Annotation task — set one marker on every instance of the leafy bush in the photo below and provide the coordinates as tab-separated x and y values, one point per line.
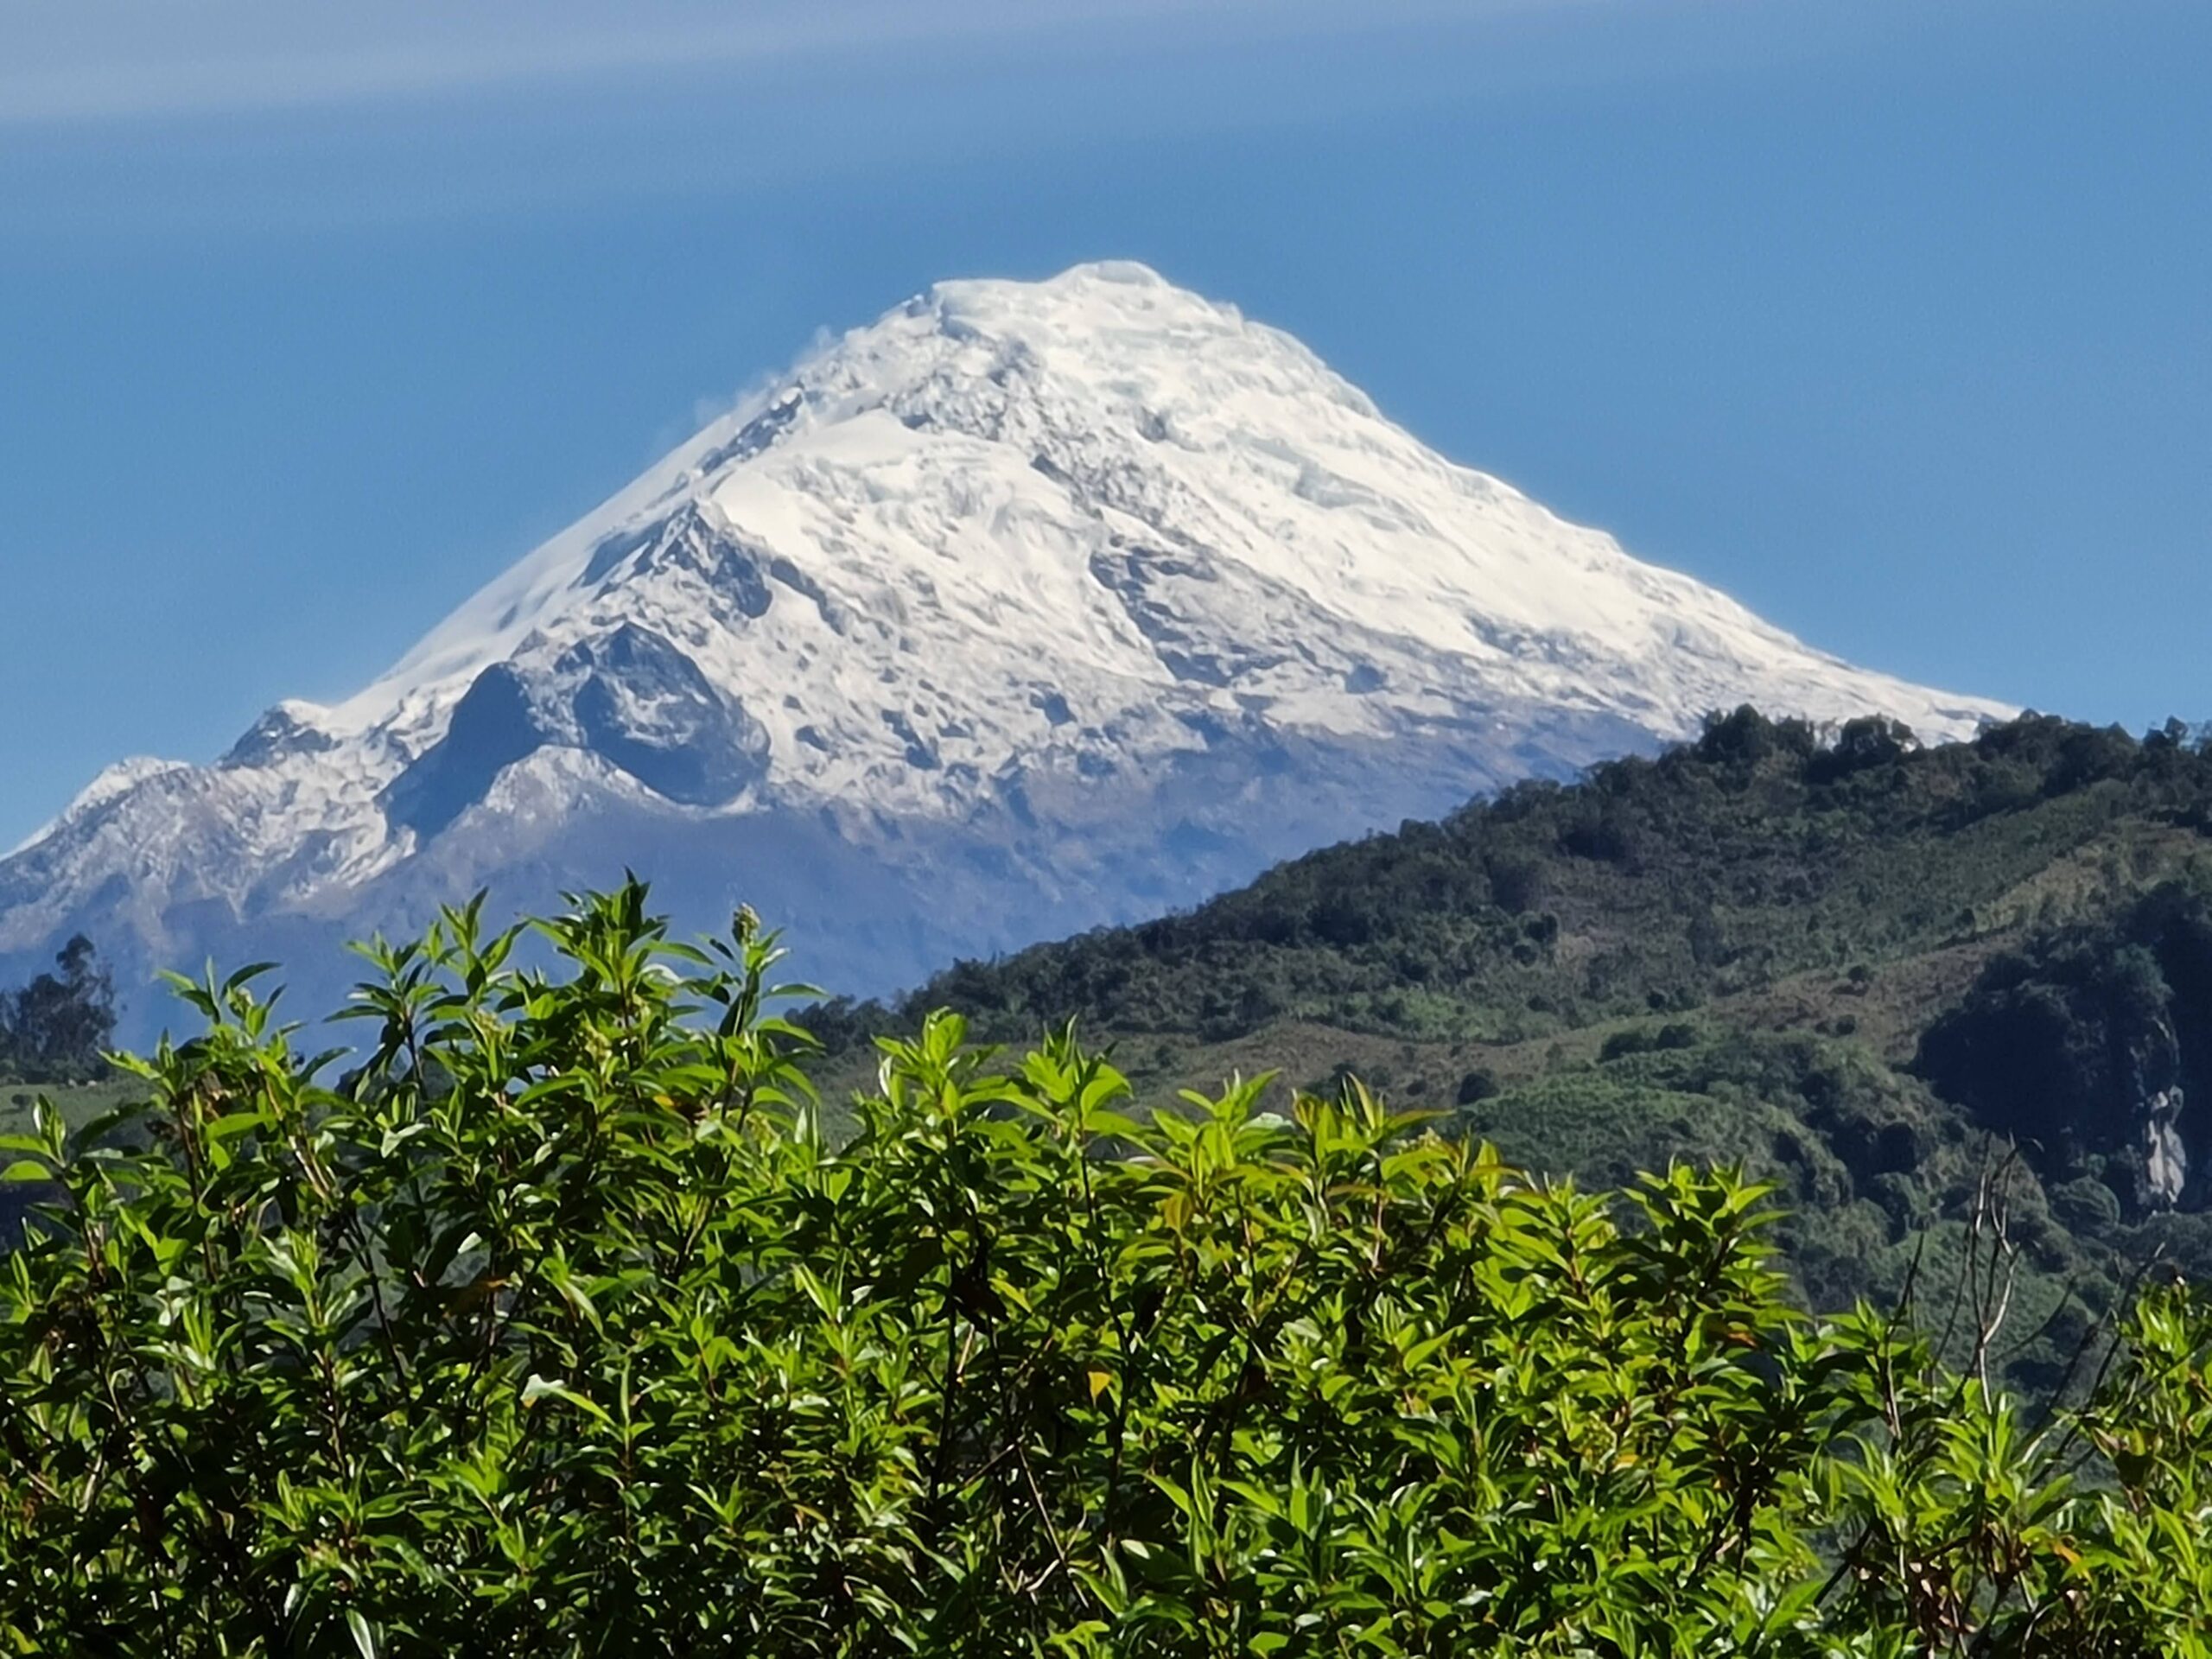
559	1325
1635	1040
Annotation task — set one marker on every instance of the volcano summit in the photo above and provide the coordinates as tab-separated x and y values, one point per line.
1026	607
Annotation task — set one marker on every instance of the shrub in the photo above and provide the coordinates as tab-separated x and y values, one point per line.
558	1324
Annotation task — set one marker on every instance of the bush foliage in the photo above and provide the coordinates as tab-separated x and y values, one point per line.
559	1325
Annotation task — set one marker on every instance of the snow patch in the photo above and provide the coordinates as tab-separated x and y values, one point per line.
110	786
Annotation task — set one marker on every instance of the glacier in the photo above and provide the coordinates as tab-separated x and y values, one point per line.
1028	608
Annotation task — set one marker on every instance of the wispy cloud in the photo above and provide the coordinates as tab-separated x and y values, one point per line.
96	61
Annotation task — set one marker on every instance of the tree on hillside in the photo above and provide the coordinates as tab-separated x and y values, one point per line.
58	1028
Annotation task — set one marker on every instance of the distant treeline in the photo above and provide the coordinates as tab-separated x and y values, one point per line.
58	1027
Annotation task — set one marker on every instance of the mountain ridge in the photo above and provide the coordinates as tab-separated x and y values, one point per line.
1026	607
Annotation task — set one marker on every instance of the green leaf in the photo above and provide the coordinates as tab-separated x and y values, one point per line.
235	1123
246	976
539	1388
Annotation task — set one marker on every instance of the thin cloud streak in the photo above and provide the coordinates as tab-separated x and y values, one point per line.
107	60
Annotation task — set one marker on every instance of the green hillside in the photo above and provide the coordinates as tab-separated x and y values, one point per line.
1894	979
1722	868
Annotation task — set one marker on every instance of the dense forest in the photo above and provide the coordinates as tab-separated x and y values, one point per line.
1755	855
554	1319
1874	972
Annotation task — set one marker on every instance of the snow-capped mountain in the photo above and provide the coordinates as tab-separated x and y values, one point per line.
1026	607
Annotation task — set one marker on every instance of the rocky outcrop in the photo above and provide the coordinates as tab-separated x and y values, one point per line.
2092	1048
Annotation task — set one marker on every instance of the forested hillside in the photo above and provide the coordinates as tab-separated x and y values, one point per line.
1720	867
1871	970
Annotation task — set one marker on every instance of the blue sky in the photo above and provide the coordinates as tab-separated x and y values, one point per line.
1895	321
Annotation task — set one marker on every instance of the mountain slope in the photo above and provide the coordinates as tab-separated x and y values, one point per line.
1889	979
1719	868
1027	606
